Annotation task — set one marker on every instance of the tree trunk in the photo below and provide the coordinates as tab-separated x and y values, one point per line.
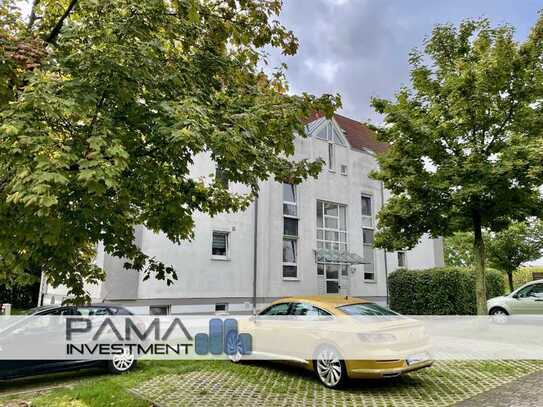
510	278
480	270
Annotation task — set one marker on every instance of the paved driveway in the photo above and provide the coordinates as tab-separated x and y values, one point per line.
269	384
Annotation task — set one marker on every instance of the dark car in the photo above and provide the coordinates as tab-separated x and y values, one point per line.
10	369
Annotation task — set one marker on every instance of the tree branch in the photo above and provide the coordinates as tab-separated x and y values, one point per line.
51	38
33	17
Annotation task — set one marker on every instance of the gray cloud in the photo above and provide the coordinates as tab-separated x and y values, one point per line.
359	48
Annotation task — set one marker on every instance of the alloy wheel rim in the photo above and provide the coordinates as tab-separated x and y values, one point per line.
123	361
234	343
499	316
329	367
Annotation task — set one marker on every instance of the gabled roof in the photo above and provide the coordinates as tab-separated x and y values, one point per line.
358	134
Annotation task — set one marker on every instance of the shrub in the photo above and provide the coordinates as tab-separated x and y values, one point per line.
439	291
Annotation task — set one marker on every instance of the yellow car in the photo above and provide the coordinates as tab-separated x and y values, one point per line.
337	337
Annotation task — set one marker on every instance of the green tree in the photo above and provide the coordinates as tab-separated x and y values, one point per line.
518	244
458	249
466	148
104	106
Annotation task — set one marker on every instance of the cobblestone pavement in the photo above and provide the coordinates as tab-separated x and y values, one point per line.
267	384
524	392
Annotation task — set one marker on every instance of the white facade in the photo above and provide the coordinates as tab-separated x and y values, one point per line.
208	282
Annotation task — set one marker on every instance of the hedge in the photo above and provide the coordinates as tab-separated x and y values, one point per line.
439	291
522	276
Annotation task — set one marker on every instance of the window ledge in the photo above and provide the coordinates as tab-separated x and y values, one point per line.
220	258
370	281
291	279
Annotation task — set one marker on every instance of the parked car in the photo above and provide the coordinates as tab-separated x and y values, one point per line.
339	324
10	369
526	300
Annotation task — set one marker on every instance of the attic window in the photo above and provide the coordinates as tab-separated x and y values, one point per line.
330	133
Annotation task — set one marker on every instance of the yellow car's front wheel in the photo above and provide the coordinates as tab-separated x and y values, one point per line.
330	367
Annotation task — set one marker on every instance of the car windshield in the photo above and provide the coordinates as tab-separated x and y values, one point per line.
367	310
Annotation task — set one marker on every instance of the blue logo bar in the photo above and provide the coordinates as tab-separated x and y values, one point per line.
223	337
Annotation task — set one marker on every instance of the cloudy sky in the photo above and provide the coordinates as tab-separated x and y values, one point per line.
359	48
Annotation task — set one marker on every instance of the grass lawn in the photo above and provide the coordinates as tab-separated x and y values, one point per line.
220	383
19	311
95	387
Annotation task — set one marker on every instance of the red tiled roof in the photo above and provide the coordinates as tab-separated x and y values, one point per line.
358	134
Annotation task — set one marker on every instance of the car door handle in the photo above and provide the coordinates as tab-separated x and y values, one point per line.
539	300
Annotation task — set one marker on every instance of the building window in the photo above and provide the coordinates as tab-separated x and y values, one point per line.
367	238
290	227
367	211
220	245
290	207
402	261
220	176
290	231
331	157
368	251
329	133
159	310
331	226
221	307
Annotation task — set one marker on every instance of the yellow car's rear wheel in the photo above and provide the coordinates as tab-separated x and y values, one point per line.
330	367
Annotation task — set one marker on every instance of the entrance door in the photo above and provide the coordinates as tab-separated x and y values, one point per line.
332	278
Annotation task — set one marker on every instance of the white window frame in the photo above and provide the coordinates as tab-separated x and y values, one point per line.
290	264
331	156
374	279
332	131
290	237
368	217
226	257
333	135
339	231
295	203
369	226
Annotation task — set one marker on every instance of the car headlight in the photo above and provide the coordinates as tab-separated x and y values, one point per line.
376	337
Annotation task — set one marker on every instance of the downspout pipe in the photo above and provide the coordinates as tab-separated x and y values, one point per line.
384	250
255	255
